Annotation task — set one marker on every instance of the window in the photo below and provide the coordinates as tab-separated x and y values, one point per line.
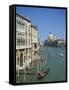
21	42
21	59
29	28
20	25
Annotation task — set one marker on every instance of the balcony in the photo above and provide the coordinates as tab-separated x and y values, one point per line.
23	47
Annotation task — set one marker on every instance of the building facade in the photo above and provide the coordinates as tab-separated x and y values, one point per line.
35	41
26	42
54	41
61	42
52	37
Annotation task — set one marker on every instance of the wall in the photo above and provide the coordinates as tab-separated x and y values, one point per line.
4	44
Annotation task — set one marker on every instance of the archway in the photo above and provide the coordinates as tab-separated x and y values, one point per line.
21	59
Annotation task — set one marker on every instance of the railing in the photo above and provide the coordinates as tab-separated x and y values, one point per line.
23	47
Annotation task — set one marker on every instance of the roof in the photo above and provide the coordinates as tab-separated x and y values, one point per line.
23	17
27	20
34	27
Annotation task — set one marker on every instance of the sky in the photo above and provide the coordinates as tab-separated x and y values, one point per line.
47	19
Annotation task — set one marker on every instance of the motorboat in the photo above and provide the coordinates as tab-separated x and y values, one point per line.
61	54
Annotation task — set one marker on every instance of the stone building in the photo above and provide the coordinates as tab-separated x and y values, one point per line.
61	42
26	41
52	37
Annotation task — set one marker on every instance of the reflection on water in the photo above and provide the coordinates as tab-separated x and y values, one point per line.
53	60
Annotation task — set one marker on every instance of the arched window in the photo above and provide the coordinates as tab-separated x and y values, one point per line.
18	61
21	59
35	46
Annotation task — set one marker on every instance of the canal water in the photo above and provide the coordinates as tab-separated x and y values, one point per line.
55	60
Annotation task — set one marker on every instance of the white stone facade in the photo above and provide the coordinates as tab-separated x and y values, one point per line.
26	41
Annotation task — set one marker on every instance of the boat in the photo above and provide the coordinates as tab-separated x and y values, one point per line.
42	70
42	74
61	54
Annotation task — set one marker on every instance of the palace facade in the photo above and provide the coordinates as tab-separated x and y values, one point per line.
27	42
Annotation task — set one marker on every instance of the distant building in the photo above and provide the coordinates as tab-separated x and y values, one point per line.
53	41
61	42
26	41
52	37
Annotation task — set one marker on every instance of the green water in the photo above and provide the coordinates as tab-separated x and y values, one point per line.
55	62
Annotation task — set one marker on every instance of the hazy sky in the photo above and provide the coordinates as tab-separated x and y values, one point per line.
47	19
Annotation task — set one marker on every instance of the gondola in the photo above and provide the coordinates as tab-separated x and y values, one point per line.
42	74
